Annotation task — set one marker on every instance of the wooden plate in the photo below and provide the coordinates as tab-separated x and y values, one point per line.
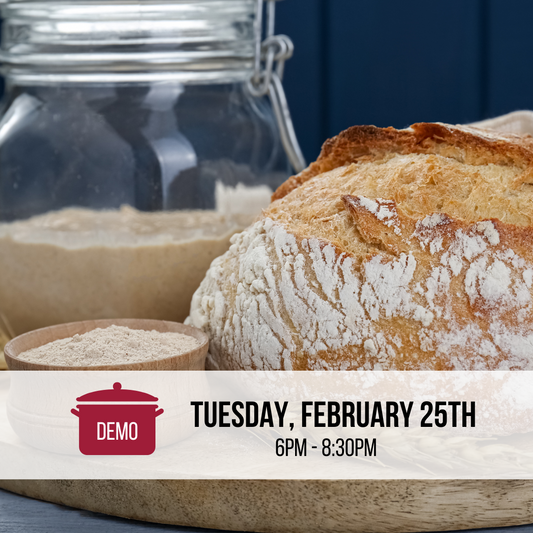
299	506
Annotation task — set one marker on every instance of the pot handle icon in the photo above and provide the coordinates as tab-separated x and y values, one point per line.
157	413
75	412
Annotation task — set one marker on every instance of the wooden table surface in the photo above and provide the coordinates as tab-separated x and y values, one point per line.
24	515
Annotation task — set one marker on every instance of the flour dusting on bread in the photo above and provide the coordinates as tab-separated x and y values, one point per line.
412	250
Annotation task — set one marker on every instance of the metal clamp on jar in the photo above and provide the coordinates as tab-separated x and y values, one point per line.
136	138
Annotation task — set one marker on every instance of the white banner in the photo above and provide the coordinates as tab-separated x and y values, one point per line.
266	425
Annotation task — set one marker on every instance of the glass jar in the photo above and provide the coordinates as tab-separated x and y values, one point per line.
136	138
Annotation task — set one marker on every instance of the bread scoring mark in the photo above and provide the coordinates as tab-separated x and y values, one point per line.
383	210
374	219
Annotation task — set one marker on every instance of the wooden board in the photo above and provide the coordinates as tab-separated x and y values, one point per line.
298	506
282	506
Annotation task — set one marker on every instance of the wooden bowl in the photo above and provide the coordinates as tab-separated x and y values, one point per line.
192	360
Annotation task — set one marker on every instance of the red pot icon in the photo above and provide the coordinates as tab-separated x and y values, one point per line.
117	422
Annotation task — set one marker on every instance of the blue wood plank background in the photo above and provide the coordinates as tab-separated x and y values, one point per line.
387	67
393	63
510	56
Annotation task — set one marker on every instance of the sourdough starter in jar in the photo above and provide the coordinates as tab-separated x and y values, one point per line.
173	108
80	264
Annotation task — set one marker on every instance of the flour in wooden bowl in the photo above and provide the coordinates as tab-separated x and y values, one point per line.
111	346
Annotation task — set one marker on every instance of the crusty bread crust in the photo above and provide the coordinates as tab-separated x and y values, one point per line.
396	250
466	144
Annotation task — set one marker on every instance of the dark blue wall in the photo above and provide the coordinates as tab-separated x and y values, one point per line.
392	63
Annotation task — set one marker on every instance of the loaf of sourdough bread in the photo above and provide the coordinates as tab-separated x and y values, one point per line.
396	250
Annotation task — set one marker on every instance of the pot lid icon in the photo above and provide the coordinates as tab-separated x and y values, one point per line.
117	394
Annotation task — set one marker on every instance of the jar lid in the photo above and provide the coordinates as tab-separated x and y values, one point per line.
117	394
189	41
